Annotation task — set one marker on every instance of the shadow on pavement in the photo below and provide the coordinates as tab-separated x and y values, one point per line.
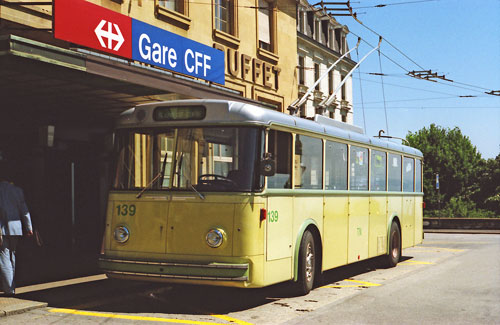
122	296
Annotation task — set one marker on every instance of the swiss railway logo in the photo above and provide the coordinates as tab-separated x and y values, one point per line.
84	23
108	34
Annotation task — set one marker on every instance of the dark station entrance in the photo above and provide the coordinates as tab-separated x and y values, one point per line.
57	109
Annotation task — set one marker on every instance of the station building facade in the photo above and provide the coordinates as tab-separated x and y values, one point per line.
58	100
321	41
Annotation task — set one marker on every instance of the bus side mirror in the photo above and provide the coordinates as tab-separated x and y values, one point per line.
267	165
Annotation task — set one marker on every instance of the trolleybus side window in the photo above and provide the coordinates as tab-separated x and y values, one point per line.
336	166
418	175
280	146
308	162
359	169
394	172
378	171
408	174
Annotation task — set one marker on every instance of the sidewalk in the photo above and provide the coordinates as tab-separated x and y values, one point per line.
12	306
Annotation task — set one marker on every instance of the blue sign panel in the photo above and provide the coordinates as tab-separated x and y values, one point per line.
164	49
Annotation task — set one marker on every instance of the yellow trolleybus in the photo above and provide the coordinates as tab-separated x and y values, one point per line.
231	194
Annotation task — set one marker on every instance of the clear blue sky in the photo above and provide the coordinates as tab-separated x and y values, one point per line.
457	38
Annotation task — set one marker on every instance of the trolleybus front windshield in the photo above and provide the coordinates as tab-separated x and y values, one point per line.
206	159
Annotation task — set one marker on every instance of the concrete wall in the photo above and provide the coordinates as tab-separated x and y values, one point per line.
462	223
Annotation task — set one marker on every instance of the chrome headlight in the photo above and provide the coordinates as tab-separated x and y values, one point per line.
121	234
214	237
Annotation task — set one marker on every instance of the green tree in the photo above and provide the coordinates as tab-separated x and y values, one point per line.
488	196
450	154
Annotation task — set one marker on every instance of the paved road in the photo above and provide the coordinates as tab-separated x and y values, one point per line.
449	279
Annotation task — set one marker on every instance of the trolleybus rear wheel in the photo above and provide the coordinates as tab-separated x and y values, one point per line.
394	255
307	263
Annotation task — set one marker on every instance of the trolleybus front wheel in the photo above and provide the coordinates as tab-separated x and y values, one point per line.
307	264
394	255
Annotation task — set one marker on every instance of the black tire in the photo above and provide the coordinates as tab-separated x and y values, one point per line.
392	259
307	264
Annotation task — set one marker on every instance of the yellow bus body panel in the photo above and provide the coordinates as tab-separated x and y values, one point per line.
171	228
280	216
149	221
335	231
408	231
358	228
378	226
419	236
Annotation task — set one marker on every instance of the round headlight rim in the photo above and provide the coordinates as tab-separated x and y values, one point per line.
124	230
220	233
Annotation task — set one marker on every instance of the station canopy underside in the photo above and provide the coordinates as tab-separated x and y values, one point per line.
42	77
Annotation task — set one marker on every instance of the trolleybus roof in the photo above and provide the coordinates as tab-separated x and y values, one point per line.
223	112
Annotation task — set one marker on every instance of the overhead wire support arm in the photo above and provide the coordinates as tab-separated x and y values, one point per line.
427	75
493	92
327	101
295	105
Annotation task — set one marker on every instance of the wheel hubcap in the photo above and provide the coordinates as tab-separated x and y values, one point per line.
309	262
395	244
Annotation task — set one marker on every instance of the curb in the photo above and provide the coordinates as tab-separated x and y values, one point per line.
13	306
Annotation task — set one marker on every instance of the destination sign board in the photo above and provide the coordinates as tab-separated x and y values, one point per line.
90	25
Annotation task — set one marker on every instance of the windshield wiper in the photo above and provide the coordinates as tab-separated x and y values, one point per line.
196	191
160	175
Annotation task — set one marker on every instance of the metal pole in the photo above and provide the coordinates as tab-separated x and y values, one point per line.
298	102
329	100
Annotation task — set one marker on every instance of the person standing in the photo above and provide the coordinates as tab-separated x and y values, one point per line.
14	215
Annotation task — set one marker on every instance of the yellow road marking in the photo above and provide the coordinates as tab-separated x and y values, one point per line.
410	262
129	317
231	319
360	284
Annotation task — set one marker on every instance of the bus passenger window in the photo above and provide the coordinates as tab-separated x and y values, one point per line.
308	162
336	166
394	172
408	174
378	171
280	146
418	175
359	169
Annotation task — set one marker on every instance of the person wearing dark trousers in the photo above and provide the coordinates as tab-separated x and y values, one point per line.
14	217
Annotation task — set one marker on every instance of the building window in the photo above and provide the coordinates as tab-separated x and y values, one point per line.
330	82
344	118
266	25
331	37
222	16
175	11
337	40
300	21
301	71
310	24
174	5
343	92
317	33
316	74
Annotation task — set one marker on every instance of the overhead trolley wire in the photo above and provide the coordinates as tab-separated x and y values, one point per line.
361	93
382	5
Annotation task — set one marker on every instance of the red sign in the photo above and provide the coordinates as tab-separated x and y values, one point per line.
93	26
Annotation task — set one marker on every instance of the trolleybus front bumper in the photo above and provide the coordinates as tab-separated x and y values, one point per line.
174	270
